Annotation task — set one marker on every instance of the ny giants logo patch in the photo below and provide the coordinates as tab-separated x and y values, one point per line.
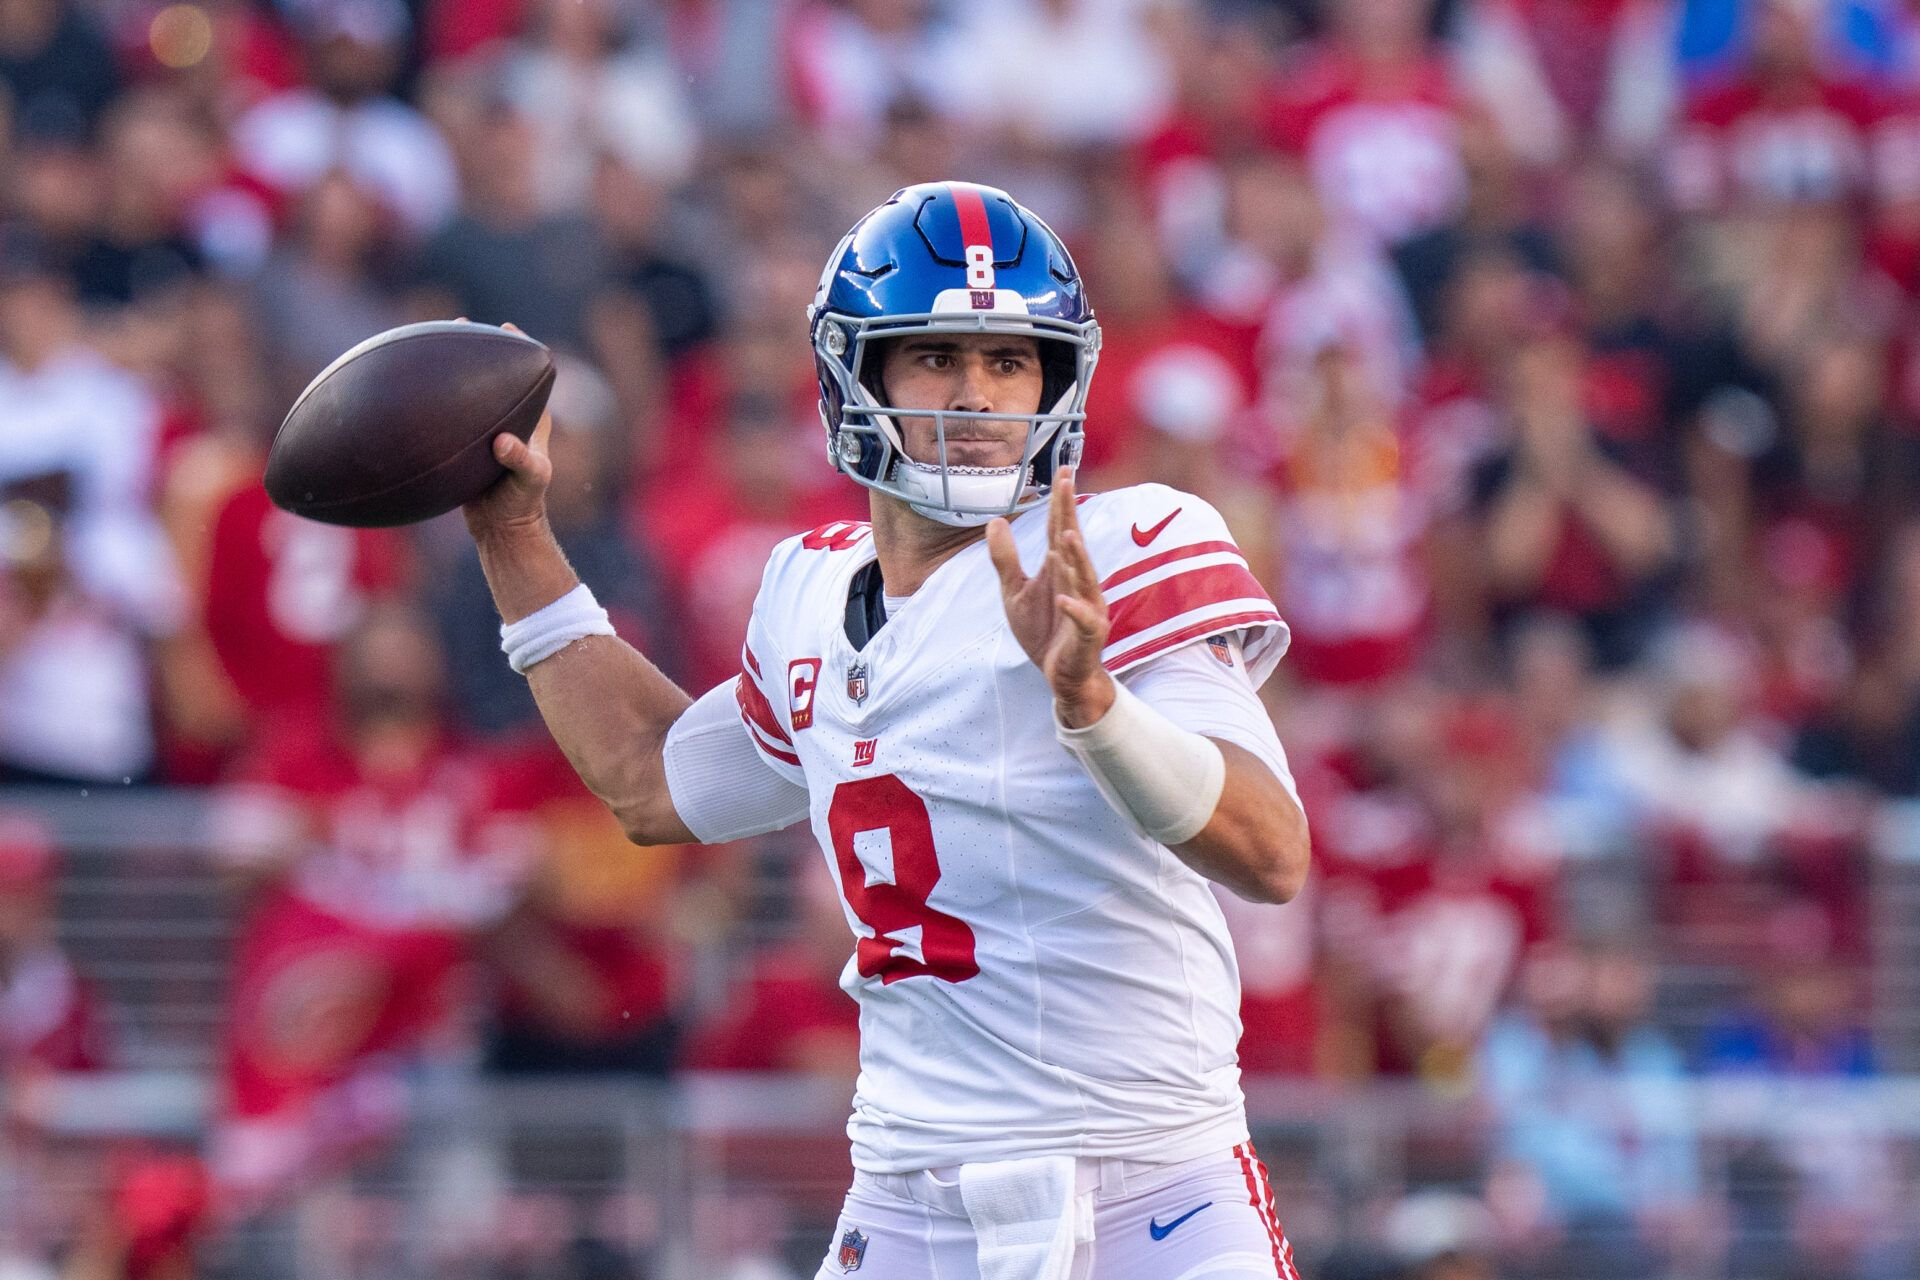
853	1249
864	751
982	299
803	678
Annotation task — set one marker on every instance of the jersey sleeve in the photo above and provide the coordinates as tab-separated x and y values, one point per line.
1172	574
715	774
754	690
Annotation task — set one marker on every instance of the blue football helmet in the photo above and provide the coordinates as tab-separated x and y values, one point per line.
950	257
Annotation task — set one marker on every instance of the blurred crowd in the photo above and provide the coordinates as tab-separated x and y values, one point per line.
1557	363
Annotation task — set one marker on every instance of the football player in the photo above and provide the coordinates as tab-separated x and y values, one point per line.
1023	724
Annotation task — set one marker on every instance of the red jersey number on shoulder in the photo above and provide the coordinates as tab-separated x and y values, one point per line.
836	535
876	821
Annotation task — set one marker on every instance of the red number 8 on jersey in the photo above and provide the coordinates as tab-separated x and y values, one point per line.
881	817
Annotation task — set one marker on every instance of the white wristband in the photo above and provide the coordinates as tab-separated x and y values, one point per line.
547	631
1167	779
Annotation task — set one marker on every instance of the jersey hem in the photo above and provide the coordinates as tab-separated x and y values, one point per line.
1190	1142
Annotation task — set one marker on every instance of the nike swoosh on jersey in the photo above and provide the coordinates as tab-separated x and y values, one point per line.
1159	1232
1141	537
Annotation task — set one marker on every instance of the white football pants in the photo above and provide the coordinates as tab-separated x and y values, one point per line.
1206	1219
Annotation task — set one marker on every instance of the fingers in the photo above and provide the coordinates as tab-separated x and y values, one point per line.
518	456
542	431
1087	620
1060	513
511	451
1005	556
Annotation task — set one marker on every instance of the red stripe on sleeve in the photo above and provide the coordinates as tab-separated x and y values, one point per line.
760	741
974	227
753	663
1204	627
1153	562
757	711
1184	592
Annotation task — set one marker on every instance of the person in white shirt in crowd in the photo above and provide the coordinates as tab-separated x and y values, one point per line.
348	118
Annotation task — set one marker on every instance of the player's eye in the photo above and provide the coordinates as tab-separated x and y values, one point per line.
1011	365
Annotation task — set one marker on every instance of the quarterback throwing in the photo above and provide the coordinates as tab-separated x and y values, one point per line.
1023	724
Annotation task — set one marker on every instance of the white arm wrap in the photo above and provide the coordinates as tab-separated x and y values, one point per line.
1167	779
547	631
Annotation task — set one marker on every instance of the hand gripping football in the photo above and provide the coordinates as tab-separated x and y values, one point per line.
400	429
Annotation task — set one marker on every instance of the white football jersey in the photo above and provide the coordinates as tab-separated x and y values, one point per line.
1035	976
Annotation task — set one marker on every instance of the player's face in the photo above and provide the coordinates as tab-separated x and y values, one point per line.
976	372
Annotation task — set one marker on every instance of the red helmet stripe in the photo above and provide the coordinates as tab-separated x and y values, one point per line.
974	227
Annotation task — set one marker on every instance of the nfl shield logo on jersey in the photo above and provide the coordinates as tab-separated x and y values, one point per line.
857	681
853	1249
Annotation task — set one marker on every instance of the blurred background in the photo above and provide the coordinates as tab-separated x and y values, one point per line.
1557	363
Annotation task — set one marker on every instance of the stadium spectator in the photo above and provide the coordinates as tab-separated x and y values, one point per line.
789	1013
1563	525
1561	709
51	1017
595	86
321	290
1803	1023
348	118
1700	775
582	991
377	848
634	211
1434	889
1583	1089
505	255
1802	1018
849	61
71	411
1562	79
1373	112
1308	283
57	67
1344	529
73	679
281	594
1779	126
1172	375
1056	74
1497	217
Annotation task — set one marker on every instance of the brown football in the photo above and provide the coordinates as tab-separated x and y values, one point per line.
400	429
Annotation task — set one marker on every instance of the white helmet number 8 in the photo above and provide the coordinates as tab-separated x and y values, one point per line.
979	266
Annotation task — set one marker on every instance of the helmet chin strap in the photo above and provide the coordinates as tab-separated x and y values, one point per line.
994	488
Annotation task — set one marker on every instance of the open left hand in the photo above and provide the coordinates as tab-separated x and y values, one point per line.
1058	615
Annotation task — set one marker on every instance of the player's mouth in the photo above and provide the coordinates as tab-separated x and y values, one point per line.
980	453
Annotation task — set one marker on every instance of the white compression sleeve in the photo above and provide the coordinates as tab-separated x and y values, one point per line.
1150	754
722	788
1167	779
1195	690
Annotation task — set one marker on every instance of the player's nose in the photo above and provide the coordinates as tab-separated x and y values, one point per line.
972	386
